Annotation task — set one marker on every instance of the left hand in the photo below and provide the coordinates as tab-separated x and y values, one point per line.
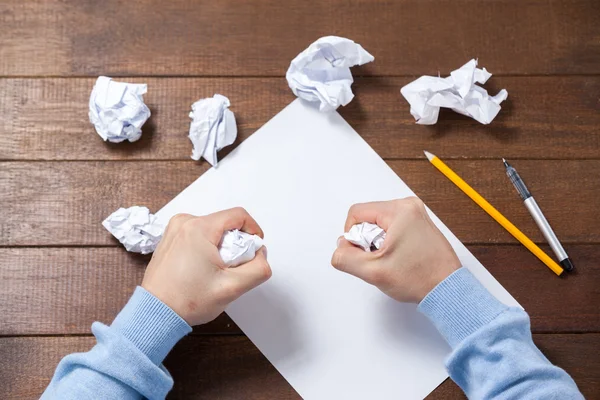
187	273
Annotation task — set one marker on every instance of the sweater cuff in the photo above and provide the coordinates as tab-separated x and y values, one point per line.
152	326
460	305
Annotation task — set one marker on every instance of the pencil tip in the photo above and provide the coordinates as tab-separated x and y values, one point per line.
428	155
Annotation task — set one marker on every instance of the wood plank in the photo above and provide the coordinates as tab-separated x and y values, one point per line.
64	203
544	117
65	289
57	37
226	366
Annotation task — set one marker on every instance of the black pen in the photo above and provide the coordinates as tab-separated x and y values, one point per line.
539	218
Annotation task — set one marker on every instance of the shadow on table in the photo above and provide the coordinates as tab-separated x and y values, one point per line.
500	129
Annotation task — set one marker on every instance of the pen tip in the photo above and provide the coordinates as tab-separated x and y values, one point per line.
506	164
428	155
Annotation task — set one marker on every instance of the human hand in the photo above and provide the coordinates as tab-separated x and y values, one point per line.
187	273
415	255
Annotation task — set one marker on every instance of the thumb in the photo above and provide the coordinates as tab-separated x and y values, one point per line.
253	273
352	260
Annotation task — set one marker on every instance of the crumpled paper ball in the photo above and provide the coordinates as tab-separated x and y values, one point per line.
238	247
459	92
321	73
213	127
136	228
117	110
366	235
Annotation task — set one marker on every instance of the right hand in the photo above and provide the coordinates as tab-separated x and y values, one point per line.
187	273
415	255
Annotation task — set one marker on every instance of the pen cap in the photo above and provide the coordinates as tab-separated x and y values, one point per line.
516	180
567	264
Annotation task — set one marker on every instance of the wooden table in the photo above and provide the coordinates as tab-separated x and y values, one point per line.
60	270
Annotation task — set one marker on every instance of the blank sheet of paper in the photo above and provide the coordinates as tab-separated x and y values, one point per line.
329	334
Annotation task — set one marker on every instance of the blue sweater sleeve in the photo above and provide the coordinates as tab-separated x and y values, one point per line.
126	361
493	355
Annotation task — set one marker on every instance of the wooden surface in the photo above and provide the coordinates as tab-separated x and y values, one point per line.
231	38
60	270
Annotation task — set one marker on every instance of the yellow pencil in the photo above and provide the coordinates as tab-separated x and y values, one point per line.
488	208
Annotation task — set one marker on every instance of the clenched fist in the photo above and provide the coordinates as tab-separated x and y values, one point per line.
414	258
187	273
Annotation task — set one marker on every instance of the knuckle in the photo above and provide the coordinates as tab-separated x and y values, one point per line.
191	226
239	211
416	201
175	223
353	209
414	205
178	219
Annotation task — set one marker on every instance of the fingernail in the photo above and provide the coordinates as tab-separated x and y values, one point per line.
264	250
338	242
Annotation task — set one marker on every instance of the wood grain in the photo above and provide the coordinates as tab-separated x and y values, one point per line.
183	37
227	367
58	180
65	289
544	117
57	204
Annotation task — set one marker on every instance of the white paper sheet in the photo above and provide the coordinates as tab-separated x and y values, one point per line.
329	334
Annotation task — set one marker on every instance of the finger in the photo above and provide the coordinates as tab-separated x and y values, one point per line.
251	274
234	218
377	212
353	260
